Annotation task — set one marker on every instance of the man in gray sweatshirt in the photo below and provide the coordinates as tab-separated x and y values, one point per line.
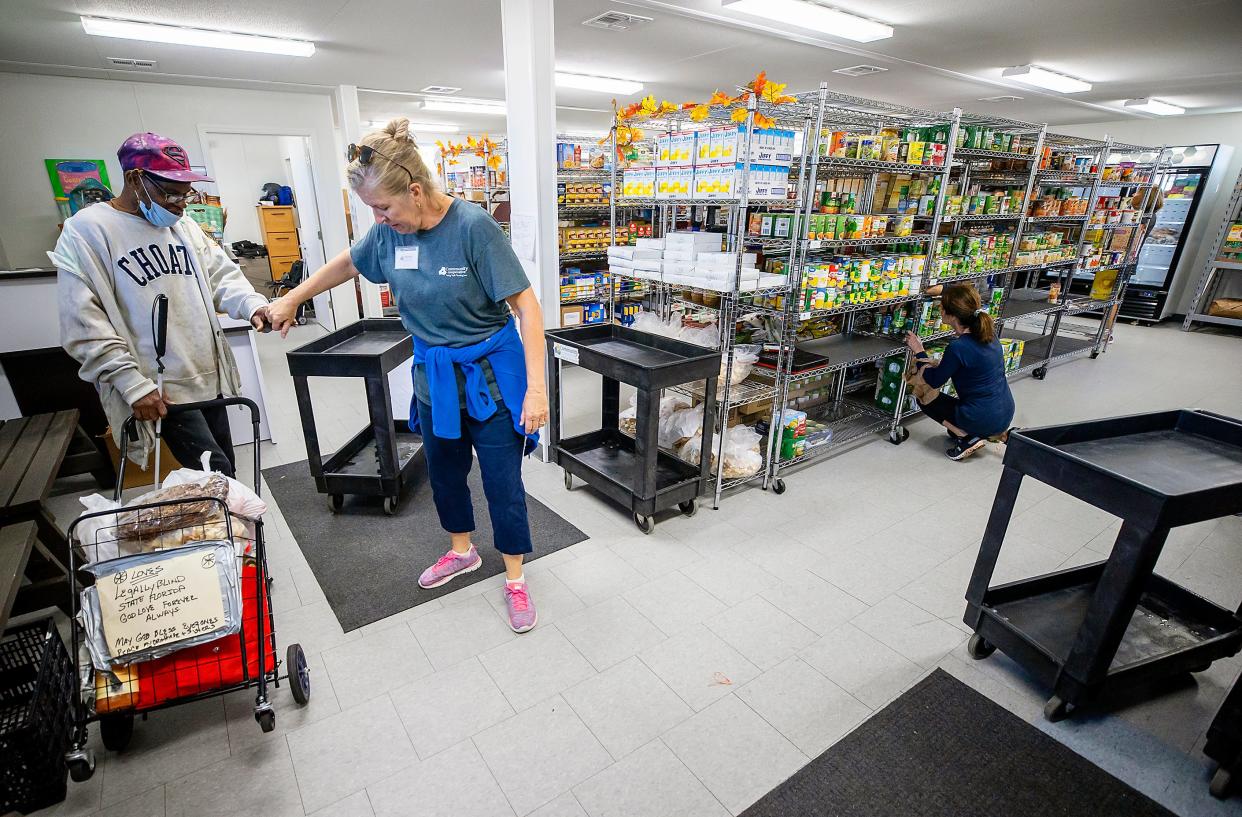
113	259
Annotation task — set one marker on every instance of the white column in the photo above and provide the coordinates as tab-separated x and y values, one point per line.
530	96
361	215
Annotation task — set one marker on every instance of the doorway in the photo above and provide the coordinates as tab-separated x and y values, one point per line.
265	236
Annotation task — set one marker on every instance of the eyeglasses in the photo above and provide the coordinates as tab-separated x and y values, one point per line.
171	198
365	154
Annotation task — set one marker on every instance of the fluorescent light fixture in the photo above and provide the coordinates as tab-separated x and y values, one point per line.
606	85
429	127
1149	105
463	106
1043	78
205	38
813	16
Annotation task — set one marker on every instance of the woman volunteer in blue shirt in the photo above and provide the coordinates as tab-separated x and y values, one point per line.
975	363
478	383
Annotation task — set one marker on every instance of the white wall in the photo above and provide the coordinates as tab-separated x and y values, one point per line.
1222	129
45	117
241	164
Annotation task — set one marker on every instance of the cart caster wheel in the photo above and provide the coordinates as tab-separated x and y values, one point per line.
1057	710
1040	373
645	523
899	437
688	508
979	648
115	731
1222	781
390	505
81	765
299	674
266	719
336	502
569	481
778	487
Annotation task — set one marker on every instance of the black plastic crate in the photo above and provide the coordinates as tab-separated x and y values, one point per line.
36	717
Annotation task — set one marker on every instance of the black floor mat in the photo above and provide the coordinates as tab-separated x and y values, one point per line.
368	563
944	750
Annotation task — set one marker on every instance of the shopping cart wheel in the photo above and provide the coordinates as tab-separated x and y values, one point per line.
390	505
688	508
569	481
1057	710
645	523
979	648
266	719
1222	781
336	502
778	487
115	731
299	674
81	763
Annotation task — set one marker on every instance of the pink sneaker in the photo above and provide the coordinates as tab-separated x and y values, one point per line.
522	615
450	565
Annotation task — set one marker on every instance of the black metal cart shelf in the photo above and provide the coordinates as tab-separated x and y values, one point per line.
380	459
632	470
1088	631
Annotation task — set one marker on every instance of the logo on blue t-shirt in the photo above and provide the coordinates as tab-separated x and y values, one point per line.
454	272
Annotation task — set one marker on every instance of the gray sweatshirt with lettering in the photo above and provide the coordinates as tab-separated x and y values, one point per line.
111	267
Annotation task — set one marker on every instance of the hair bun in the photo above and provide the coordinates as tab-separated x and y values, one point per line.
399	129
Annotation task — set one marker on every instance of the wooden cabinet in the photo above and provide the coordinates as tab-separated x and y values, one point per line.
280	236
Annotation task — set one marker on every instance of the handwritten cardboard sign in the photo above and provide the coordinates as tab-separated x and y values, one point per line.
160	603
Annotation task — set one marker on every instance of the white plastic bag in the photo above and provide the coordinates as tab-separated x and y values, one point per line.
97	535
743	456
708	335
242	501
745	356
680	426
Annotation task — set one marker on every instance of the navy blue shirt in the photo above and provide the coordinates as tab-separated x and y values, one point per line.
455	295
978	373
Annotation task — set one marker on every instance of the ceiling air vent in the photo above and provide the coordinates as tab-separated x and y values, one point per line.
616	21
441	90
131	62
859	70
1001	98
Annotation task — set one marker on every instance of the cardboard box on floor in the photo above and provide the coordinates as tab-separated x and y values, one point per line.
135	477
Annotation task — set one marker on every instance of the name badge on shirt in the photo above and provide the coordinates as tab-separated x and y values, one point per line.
407	258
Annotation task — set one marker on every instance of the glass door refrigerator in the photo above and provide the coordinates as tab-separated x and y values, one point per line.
1183	184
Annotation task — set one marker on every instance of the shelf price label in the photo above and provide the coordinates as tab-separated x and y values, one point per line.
815	244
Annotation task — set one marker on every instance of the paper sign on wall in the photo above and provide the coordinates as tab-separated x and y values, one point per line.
161	603
522	232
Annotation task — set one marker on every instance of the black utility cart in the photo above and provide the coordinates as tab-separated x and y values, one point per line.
1089	631
379	460
1224	743
632	470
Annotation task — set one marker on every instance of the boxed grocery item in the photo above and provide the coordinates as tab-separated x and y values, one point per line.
698	239
638	182
674	182
770	146
713	181
571	315
724	144
681	148
664	150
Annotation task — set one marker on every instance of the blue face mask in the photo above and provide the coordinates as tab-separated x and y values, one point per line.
154	213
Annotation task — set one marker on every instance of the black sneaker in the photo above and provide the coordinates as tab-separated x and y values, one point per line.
964	447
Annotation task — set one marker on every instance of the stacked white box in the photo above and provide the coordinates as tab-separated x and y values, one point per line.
674	182
638	182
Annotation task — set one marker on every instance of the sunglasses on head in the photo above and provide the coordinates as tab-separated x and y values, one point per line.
171	198
365	154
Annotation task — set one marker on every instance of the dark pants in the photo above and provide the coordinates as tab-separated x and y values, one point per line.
943	409
499	448
191	433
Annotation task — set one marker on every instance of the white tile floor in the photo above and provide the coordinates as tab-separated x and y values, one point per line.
690	671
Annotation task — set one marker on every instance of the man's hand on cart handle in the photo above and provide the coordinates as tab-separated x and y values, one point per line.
281	313
150	406
534	410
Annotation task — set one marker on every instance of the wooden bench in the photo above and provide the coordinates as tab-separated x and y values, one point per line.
34	552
